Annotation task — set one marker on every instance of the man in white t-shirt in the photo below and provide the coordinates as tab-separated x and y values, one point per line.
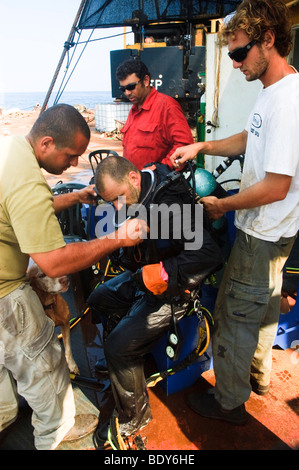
267	210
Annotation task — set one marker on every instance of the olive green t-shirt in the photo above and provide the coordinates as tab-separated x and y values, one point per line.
27	220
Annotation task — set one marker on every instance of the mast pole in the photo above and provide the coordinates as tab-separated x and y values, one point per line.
65	49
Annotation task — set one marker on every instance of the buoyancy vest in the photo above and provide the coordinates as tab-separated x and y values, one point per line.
159	185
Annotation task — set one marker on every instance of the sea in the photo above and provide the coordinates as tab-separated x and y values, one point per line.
26	101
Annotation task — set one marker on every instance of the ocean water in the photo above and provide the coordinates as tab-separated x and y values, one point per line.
27	101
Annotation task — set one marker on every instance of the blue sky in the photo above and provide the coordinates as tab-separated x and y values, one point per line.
32	35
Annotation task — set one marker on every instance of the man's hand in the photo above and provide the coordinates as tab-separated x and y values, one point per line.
212	207
87	195
182	154
132	232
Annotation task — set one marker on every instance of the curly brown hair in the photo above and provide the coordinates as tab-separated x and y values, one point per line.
256	17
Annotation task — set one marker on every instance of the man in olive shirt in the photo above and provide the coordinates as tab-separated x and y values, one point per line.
30	354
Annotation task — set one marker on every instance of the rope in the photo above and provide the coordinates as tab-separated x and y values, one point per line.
61	90
107	37
215	117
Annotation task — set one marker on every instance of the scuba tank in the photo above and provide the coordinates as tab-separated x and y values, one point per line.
205	184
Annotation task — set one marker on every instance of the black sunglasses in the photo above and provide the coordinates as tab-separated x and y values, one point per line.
240	53
129	87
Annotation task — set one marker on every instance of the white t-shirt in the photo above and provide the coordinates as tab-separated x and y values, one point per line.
273	146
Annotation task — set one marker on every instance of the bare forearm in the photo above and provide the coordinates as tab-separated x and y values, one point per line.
75	257
63	201
255	196
234	145
272	188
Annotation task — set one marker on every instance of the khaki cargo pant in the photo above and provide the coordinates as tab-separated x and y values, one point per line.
33	365
246	316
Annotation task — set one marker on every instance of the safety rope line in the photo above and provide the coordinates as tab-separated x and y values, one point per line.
107	37
70	59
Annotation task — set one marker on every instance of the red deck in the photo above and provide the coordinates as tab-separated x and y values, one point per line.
273	420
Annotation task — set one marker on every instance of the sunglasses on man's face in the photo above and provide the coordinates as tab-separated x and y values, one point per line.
240	53
129	87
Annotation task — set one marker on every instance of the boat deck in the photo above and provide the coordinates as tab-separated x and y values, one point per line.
273	419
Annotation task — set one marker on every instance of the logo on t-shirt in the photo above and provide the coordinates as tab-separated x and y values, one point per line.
256	124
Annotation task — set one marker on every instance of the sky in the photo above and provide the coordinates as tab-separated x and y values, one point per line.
32	36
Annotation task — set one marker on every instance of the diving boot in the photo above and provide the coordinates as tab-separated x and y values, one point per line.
114	432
